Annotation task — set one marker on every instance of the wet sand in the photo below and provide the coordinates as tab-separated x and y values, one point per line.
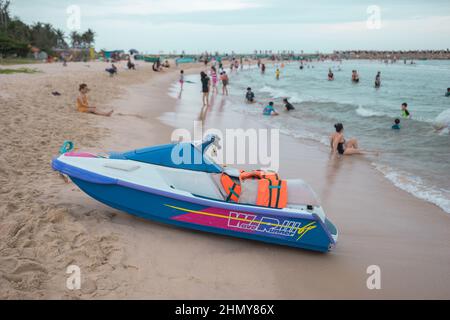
47	224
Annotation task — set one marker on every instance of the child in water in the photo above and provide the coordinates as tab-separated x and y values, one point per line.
405	112
269	110
277	73
288	105
396	125
250	96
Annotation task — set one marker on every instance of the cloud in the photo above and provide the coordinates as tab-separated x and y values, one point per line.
158	7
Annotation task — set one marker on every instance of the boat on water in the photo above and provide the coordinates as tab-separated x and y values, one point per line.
181	185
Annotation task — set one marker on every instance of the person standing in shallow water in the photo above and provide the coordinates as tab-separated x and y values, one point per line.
378	80
206	85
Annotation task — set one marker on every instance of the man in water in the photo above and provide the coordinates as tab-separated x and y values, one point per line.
288	105
269	110
378	80
447	94
277	74
250	96
330	75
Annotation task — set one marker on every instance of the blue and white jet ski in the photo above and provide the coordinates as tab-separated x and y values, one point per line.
153	184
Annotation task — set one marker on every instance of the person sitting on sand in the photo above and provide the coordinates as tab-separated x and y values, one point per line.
396	125
250	96
112	71
269	110
131	65
288	105
405	112
447	94
340	146
330	75
83	103
378	80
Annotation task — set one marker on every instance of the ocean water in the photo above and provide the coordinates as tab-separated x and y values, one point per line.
415	158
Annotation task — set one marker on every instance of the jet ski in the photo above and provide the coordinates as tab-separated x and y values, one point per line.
181	185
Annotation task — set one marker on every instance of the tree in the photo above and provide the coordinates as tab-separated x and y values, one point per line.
75	39
4	13
88	38
60	39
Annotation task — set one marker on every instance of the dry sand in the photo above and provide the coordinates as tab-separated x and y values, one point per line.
46	224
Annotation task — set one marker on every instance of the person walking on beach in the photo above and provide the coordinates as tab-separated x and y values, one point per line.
225	81
182	79
340	146
378	80
206	85
214	79
83	103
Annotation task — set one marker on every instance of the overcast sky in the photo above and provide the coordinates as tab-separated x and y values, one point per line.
246	25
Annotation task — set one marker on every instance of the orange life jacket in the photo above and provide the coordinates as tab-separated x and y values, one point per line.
232	189
272	191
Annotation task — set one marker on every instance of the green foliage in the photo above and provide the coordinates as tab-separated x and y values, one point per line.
16	36
20	70
12	47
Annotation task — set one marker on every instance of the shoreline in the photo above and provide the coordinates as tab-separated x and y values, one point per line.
129	258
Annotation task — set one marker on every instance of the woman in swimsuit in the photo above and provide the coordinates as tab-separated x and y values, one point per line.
340	145
214	79
83	104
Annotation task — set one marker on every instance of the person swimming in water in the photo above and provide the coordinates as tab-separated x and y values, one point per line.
330	75
355	76
288	105
340	146
405	112
270	110
396	125
378	80
447	94
250	96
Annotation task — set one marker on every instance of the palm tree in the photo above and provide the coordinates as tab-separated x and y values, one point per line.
75	39
61	41
4	13
88	38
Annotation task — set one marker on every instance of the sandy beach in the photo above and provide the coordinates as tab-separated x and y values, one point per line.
47	224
